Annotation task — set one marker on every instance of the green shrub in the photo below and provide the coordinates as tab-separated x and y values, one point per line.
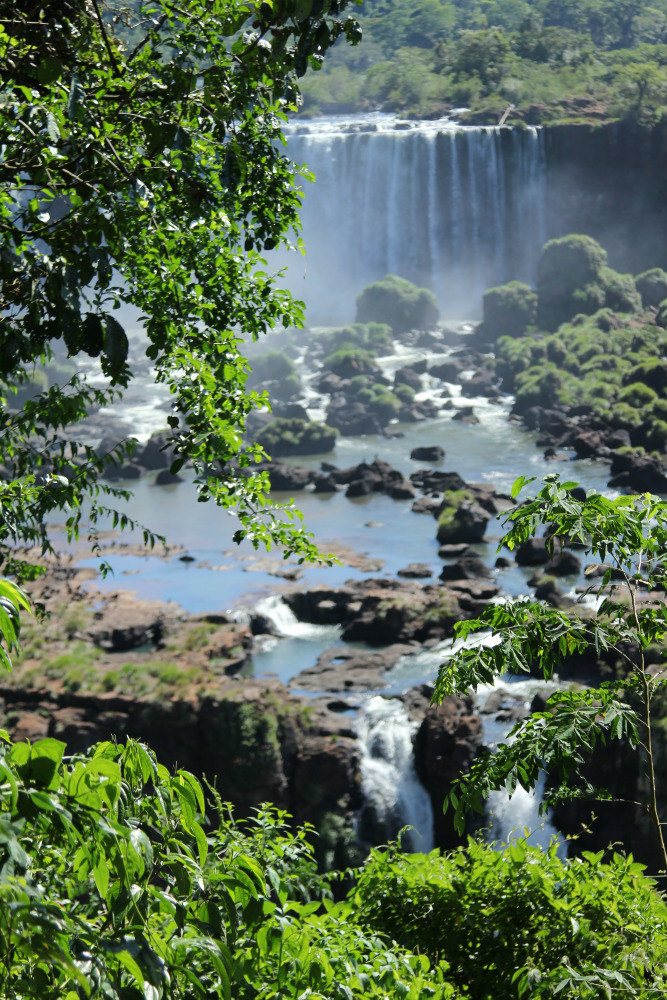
405	393
637	394
385	405
359	382
620	293
399	303
508	310
656	435
568	279
652	286
519	919
272	366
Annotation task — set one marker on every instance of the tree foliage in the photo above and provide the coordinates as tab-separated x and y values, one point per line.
144	167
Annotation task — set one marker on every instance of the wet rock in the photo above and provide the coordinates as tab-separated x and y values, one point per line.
455	551
287	478
468	567
532	553
502	562
433	481
428	453
402	491
167	478
466	415
343	669
408	376
564	563
415	571
445	745
352	418
447	371
480	385
639	473
426	505
156	453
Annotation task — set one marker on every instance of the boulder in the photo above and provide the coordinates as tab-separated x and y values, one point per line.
532	553
415	571
447	371
427	453
408	376
466	415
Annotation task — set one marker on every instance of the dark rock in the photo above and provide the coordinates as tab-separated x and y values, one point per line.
502	562
352	418
402	491
167	478
468	567
587	443
324	484
445	746
362	487
447	371
433	481
480	385
288	478
638	473
428	453
343	669
564	563
426	505
452	551
532	553
156	453
465	415
408	376
415	571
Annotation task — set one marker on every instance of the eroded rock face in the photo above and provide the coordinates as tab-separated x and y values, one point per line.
445	745
254	738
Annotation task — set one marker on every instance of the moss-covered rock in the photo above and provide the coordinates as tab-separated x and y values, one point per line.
270	367
398	303
508	310
348	362
568	279
284	436
373	337
652	286
460	518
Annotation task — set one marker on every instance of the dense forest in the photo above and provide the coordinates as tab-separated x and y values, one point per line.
541	61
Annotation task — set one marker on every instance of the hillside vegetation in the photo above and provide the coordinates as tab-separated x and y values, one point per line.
541	61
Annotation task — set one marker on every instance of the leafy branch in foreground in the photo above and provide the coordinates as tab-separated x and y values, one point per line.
628	616
144	166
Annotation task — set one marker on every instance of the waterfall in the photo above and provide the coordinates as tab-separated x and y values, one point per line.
456	208
393	794
287	624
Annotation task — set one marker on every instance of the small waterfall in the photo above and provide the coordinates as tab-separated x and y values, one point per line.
510	815
394	796
287	624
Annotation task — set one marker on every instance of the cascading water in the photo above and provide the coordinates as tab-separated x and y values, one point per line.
394	796
456	208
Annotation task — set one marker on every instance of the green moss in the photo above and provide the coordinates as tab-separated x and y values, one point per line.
348	362
508	310
290	436
399	303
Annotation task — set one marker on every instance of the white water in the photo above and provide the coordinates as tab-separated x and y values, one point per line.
389	781
514	816
457	208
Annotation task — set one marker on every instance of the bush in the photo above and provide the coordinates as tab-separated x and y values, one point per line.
568	279
399	303
620	293
652	286
272	366
290	436
637	394
520	917
405	393
508	310
385	405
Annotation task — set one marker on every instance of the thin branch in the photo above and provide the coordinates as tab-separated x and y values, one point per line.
112	57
